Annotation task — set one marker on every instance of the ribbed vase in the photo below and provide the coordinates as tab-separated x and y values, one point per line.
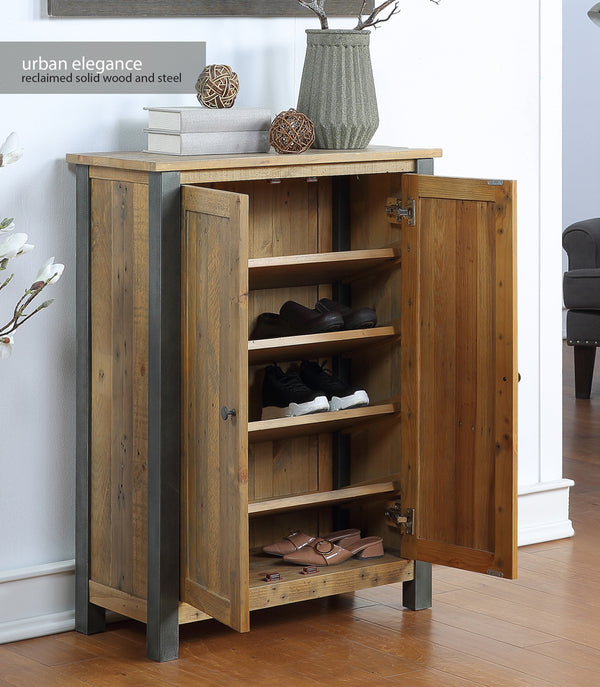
337	90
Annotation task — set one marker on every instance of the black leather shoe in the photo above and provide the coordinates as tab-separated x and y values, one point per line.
361	318
269	325
303	320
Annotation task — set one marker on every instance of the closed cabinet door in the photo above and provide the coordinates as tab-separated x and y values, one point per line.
214	487
459	372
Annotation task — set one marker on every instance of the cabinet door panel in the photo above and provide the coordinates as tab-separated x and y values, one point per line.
214	374
459	372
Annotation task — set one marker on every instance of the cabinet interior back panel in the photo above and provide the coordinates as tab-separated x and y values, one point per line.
376	369
292	217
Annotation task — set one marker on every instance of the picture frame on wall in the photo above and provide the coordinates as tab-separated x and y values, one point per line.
195	8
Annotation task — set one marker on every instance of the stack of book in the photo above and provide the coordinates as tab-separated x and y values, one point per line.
204	131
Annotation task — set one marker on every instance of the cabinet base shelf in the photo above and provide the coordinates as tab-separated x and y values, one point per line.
346	577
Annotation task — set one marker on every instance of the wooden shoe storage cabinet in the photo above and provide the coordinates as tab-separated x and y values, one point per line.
179	482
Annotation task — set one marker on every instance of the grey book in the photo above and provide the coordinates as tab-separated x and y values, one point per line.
208	142
195	119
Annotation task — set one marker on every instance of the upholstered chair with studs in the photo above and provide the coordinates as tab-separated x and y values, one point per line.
581	292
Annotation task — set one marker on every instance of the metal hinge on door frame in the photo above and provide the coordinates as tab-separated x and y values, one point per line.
397	211
396	518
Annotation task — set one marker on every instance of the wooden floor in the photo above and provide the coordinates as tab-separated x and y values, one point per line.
542	629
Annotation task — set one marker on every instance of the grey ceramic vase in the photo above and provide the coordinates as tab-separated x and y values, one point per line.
337	90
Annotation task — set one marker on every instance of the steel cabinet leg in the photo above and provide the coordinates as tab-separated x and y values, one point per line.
162	623
416	594
89	618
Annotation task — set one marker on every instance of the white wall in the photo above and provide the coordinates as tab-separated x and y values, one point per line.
581	102
463	76
581	105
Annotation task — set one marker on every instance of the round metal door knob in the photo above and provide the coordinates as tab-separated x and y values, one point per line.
225	412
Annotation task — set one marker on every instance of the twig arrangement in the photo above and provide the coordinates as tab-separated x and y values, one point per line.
373	19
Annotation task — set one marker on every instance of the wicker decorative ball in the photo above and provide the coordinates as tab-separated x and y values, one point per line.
217	86
291	132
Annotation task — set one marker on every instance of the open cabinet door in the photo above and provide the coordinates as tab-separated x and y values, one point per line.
214	475
459	372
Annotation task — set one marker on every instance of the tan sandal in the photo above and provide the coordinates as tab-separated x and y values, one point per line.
323	552
298	540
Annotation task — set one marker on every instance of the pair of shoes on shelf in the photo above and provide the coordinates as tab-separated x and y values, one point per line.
312	390
298	540
334	548
361	318
327	316
324	552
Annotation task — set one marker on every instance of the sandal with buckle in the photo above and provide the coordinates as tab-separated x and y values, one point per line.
323	552
298	540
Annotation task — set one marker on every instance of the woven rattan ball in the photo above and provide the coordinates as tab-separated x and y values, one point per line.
291	132
217	86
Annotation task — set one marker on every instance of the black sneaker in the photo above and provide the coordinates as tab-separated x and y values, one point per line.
285	395
339	394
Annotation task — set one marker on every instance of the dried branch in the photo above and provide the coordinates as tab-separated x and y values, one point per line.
19	315
372	19
317	7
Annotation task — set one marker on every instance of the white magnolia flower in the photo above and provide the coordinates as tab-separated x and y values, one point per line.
26	248
13	244
7	225
10	150
6	346
50	271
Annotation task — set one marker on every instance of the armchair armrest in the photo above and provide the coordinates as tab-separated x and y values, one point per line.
581	240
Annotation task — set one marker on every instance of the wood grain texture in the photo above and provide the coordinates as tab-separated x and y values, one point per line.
312	346
119	267
210	168
294	586
214	461
316	268
459	362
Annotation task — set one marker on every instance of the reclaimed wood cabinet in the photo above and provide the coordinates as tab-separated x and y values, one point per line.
179	481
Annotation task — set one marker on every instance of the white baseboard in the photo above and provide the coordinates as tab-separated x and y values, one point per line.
37	601
544	512
40	600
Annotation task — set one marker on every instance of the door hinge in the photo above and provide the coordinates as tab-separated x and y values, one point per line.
396	211
396	518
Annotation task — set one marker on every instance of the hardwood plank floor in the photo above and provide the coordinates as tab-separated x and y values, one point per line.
541	630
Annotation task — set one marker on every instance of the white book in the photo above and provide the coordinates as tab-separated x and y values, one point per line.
208	142
193	118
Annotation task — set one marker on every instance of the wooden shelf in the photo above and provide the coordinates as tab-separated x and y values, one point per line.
316	268
320	498
346	577
311	346
316	423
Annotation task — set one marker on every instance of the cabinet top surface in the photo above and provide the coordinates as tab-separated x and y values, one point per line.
154	162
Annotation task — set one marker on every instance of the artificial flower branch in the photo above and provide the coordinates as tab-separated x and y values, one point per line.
19	316
11	246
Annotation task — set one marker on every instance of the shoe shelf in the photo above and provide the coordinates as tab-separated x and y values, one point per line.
316	423
295	586
317	268
310	346
321	498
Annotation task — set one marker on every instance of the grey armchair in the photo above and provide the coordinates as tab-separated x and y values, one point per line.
581	292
